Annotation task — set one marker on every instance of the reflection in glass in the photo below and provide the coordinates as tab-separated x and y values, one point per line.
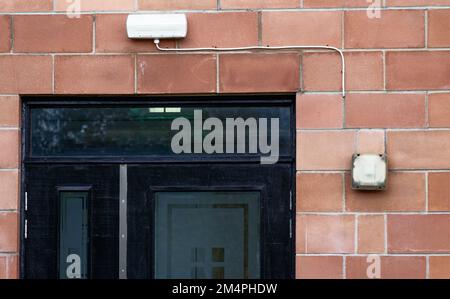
138	131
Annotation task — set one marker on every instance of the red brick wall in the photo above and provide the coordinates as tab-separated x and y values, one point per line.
399	101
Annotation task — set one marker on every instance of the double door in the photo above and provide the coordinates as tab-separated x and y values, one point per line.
181	220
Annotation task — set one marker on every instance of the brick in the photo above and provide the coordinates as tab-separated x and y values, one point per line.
371	142
95	5
300	232
417	2
330	234
9	232
418	233
259	72
5	33
319	192
8	267
52	33
3	267
385	111
253	4
176	4
25	5
419	149
112	74
177	73
322	71
391	267
13	267
418	70
111	37
334	3
325	150
318	267
9	111
439	267
26	74
237	29
371	234
9	190
395	29
9	143
439	110
301	28
405	192
319	111
439	191
364	70
439	28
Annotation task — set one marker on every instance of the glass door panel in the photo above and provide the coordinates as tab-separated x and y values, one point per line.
207	235
73	235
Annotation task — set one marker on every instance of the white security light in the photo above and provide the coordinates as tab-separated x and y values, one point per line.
369	172
157	26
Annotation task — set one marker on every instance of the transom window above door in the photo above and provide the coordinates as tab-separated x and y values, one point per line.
240	130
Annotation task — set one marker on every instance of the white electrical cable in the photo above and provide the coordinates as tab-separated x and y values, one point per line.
263	48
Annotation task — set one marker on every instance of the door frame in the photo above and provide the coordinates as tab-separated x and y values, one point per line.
98	101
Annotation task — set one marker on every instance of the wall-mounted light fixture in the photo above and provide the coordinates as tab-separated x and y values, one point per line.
157	26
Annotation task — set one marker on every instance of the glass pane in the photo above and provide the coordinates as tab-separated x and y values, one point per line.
73	235
145	131
207	235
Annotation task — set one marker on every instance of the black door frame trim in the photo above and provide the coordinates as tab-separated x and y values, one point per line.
274	99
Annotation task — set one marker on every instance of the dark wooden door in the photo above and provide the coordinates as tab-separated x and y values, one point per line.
231	220
48	187
249	225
